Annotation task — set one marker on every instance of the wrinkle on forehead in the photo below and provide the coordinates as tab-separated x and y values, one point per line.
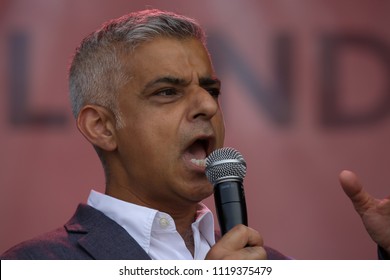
172	57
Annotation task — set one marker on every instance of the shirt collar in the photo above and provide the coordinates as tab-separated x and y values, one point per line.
205	222
129	215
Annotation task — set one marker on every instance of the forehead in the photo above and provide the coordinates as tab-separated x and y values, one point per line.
168	56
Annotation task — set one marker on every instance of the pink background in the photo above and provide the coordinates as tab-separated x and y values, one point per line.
292	189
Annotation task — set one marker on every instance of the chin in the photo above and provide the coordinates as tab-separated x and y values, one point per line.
201	192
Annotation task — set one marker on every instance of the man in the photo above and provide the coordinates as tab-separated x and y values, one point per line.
145	95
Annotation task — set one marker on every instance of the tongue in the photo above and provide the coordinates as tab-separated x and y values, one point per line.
197	151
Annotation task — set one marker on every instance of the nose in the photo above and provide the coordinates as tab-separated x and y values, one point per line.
202	104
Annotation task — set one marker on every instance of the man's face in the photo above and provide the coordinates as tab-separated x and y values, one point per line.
172	119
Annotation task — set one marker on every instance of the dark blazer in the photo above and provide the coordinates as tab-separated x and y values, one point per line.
89	234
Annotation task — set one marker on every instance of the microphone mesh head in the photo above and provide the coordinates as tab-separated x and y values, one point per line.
225	164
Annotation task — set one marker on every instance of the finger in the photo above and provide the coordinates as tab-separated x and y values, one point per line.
241	242
354	190
241	236
255	253
249	253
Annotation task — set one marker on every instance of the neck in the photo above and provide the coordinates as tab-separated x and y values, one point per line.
188	238
184	228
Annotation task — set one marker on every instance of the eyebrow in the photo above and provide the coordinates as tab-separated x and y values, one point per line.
207	81
203	81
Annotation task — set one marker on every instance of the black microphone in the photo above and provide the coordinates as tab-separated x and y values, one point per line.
226	169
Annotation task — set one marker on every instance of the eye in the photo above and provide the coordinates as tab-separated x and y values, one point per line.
166	95
167	92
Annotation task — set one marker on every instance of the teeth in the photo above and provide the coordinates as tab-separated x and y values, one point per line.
199	162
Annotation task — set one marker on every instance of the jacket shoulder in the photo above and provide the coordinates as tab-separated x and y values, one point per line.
87	235
57	244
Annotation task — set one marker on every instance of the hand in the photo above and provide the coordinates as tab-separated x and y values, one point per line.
240	243
375	213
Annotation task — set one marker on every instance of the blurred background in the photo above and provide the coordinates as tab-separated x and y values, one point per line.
306	94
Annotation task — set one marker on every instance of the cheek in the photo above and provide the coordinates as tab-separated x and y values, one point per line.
141	149
152	137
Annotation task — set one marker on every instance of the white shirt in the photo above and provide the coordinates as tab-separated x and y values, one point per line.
155	231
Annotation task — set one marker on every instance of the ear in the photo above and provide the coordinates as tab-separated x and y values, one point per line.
97	124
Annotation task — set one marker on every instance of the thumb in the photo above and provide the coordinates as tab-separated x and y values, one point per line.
361	200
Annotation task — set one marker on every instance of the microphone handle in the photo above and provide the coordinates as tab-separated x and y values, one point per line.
230	205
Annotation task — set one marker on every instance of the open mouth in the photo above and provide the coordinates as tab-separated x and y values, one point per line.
197	152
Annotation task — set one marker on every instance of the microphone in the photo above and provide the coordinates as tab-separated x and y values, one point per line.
226	169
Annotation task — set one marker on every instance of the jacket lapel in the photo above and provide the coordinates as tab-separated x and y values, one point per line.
103	238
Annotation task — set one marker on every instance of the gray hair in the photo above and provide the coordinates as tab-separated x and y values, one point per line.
97	72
